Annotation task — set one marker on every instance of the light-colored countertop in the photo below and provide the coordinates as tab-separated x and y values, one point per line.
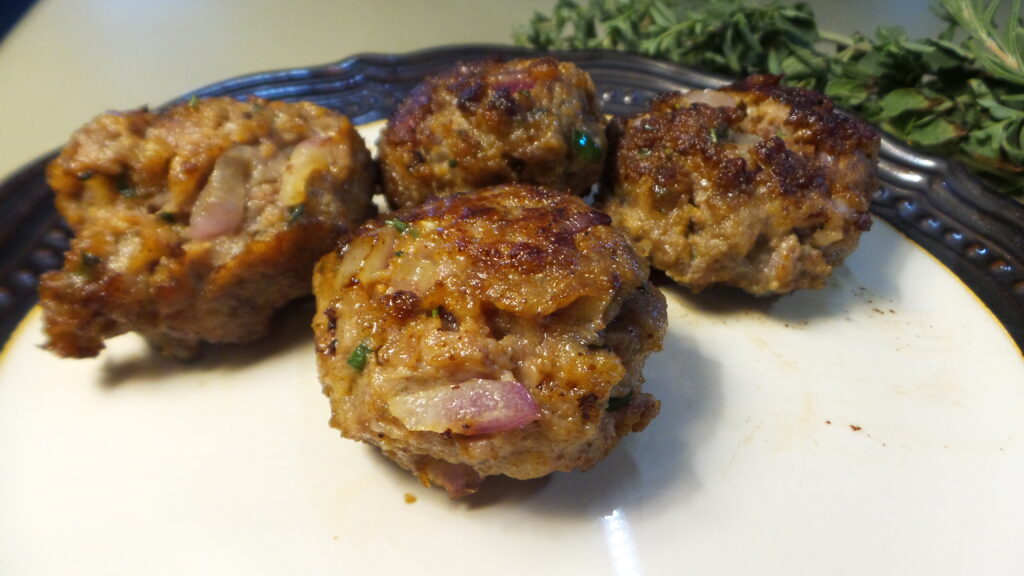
68	60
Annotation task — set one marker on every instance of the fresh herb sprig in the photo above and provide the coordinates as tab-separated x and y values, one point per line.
961	94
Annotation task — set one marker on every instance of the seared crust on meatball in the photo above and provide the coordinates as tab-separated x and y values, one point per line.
497	332
534	121
195	224
757	185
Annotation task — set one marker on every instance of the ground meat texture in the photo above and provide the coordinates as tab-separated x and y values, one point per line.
502	331
757	185
195	224
534	121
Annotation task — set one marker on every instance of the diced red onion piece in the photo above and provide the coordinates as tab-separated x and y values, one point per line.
415	274
352	260
743	140
580	221
458	480
379	255
474	407
310	157
514	83
713	98
220	207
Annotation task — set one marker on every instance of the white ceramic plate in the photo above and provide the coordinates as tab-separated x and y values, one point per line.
872	427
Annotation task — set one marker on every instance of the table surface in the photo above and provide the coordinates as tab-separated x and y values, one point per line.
68	60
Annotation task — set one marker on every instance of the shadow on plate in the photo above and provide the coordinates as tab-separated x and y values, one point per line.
290	330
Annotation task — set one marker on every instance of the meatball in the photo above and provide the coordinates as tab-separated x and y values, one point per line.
534	121
757	185
195	224
497	332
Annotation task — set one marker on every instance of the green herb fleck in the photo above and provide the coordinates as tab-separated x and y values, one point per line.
402	227
399	254
193	101
125	189
585	146
397	225
87	263
452	162
537	112
435	312
83	176
166	216
718	134
357	359
619	402
524	93
294	213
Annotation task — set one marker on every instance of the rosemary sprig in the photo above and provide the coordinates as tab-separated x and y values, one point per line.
1000	54
961	94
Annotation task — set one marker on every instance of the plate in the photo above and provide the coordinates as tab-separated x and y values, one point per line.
873	426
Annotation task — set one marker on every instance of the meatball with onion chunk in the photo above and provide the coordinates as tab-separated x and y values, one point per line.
502	331
195	224
756	185
534	121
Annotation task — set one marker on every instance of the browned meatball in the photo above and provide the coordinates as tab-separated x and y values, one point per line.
757	186
536	121
195	224
497	332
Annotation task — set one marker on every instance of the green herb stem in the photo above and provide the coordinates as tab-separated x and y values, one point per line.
841	41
